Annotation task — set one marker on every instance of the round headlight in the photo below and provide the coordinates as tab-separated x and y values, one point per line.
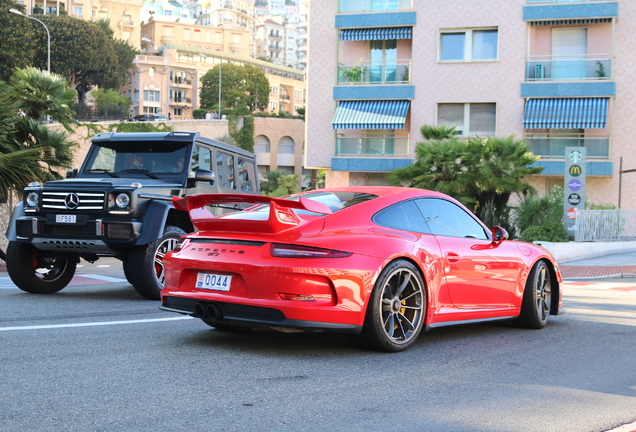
33	199
122	200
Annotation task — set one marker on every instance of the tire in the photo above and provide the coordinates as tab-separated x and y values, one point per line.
537	298
144	266
37	271
397	309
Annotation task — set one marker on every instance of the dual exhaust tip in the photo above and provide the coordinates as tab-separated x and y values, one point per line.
210	311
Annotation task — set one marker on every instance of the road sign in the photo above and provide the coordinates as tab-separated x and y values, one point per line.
574	191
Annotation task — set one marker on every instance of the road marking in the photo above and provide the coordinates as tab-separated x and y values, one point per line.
625	428
93	324
101	277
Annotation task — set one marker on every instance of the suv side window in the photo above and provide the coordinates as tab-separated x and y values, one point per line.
201	159
246	174
225	170
403	216
448	219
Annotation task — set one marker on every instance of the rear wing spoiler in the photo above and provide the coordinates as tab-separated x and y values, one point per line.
281	214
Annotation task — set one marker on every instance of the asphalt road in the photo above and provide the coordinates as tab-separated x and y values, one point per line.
100	358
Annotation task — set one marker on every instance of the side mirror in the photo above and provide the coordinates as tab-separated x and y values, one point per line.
72	173
204	175
499	234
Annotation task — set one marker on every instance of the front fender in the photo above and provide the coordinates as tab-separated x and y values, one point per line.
18	212
153	221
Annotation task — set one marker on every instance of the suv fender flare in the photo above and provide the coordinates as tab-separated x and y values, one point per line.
18	212
154	221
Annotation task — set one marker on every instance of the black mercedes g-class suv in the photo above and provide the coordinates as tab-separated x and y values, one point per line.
119	204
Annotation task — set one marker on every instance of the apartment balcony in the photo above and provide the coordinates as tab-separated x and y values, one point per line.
374	72
373	146
286	159
569	68
275	47
552	145
181	82
126	23
275	36
182	102
374	5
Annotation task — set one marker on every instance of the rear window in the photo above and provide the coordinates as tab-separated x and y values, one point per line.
336	201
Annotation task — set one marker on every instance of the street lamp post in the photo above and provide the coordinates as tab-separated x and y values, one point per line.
145	39
48	37
220	63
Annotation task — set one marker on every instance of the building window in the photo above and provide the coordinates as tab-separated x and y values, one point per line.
273	90
152	95
103	15
126	35
168	13
471	119
78	11
273	105
468	45
128	20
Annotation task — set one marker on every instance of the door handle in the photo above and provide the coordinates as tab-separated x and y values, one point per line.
452	257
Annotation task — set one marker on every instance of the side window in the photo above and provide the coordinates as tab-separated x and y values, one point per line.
105	159
225	170
201	159
246	175
403	216
448	219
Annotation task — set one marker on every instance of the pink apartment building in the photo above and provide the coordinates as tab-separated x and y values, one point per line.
556	72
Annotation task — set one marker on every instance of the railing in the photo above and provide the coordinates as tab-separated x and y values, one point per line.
275	47
372	146
178	81
553	145
273	35
574	67
374	72
150	59
374	5
604	225
566	1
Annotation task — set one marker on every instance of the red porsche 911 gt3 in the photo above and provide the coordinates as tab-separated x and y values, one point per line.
382	263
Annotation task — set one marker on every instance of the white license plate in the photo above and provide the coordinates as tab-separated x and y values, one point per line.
65	218
213	281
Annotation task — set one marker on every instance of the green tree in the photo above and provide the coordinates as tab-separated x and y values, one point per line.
240	86
482	174
29	150
81	52
17	39
41	94
106	100
124	55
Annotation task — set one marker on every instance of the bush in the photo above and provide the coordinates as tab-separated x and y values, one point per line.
199	113
549	231
243	111
534	210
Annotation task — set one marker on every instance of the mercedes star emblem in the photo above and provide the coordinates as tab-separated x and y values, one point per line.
71	201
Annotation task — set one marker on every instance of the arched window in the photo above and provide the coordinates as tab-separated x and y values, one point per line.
286	145
261	144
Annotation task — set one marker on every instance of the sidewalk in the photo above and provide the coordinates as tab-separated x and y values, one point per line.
607	266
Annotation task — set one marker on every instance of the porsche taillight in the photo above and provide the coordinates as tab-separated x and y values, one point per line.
279	250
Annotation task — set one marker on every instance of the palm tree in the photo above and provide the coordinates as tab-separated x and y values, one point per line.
29	150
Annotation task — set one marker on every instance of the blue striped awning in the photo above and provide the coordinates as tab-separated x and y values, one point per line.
571	21
385	114
381	33
565	113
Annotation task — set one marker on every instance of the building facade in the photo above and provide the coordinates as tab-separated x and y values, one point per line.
556	73
124	15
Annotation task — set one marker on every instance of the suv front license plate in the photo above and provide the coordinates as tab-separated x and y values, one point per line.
212	281
71	219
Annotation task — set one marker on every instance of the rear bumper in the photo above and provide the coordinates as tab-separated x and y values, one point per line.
247	314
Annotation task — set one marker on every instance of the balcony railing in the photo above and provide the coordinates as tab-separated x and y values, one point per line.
180	80
566	1
553	145
568	68
375	5
374	72
372	146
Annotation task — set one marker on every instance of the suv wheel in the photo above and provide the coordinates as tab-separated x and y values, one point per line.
37	271
144	266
